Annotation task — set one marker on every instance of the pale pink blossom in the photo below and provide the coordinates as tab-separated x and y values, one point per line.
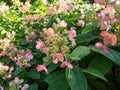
28	38
41	68
107	17
40	44
13	47
63	24
18	63
109	38
100	45
25	87
28	55
81	23
50	32
105	48
1	88
59	57
45	50
72	33
7	76
17	80
66	64
102	2
52	10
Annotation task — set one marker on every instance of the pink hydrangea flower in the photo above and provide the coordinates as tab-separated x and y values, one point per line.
1	88
58	57
40	44
17	80
66	64
29	55
100	45
25	87
72	33
81	23
105	48
102	2
63	24
109	38
107	17
41	68
52	10
50	32
27	39
45	50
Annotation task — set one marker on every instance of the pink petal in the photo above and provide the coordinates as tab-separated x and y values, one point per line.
99	45
45	50
41	68
105	48
113	40
25	87
68	64
72	33
39	44
81	23
55	61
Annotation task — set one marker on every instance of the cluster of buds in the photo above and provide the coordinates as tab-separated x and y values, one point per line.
5	71
107	17
20	57
61	6
16	84
24	7
3	8
32	19
5	42
30	35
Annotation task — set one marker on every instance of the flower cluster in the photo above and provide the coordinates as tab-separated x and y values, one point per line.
106	19
5	71
16	84
54	44
20	57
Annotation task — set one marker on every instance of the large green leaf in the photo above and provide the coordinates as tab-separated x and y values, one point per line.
112	55
97	85
34	74
76	79
94	72
34	86
86	37
57	81
101	64
79	53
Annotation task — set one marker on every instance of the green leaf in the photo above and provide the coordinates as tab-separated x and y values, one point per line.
79	53
112	55
52	67
86	37
34	86
57	81
94	72
101	64
18	70
14	87
97	84
34	74
76	79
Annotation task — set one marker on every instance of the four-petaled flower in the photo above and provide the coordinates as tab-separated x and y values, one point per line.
109	38
41	68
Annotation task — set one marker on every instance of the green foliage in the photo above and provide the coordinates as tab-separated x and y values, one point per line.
76	79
